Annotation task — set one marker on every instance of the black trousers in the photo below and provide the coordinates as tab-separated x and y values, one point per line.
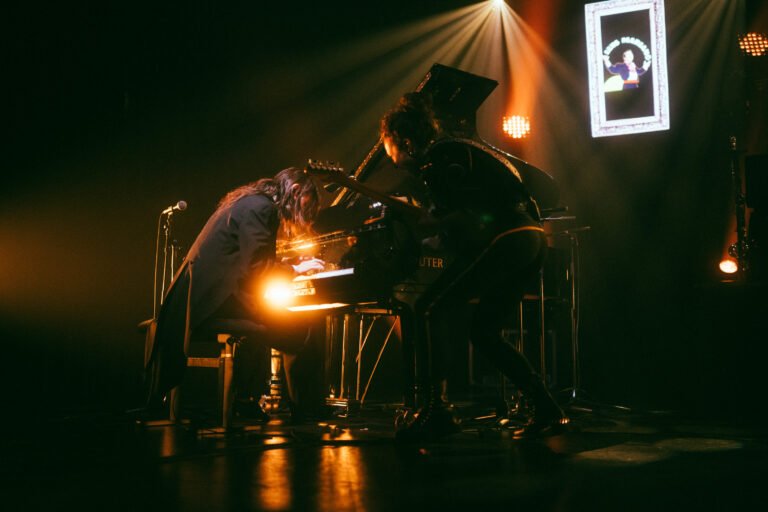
496	278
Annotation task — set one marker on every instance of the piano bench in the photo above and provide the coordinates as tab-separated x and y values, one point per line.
224	364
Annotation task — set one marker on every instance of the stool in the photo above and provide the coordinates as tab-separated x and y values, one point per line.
224	363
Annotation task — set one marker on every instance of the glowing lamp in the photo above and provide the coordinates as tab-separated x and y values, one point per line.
517	127
279	293
728	266
754	44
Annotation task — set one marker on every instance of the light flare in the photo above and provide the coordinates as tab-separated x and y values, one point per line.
279	293
728	266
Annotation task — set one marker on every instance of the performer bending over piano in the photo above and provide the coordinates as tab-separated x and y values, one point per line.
481	212
219	281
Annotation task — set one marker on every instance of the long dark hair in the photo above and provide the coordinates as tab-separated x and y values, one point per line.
412	119
296	217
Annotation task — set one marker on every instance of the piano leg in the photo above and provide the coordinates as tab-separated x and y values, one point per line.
418	387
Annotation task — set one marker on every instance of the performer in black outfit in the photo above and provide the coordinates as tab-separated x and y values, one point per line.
222	277
482	213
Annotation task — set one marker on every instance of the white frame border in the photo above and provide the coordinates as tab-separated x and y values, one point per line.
601	127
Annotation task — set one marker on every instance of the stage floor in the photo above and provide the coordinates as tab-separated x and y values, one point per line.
611	458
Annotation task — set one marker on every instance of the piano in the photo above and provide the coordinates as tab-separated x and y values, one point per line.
366	240
362	264
376	265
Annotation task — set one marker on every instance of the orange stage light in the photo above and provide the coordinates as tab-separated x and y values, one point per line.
754	44
517	127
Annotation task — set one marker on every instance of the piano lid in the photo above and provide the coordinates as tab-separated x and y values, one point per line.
456	96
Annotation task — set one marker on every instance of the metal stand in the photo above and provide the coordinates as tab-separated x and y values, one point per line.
577	396
170	250
348	392
739	250
575	391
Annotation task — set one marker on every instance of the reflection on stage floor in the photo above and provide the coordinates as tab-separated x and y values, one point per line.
612	458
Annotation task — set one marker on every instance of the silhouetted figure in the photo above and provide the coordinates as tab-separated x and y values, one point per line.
481	212
222	279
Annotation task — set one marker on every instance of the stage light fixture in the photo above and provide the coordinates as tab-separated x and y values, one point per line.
517	127
728	266
754	44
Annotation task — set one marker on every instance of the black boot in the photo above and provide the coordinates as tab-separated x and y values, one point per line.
250	409
548	418
435	420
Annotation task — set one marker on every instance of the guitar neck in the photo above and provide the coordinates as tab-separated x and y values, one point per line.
385	199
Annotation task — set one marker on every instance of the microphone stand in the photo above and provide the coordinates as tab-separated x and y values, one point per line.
170	250
740	249
167	254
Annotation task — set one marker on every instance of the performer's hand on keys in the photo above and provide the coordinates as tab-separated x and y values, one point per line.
309	265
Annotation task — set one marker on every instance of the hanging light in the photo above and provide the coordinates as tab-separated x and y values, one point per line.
517	127
754	44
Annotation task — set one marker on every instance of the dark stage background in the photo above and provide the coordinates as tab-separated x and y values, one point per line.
116	110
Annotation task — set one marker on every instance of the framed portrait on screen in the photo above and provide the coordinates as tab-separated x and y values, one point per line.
627	63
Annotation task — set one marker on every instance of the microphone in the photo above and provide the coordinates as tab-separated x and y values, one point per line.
180	206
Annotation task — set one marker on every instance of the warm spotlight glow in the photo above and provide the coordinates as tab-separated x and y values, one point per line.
754	44
517	127
305	246
728	266
279	293
498	4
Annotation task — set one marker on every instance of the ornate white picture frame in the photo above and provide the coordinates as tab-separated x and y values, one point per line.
627	63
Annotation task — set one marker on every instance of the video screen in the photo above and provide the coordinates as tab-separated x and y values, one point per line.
626	45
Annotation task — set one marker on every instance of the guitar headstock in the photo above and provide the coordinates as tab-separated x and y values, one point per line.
323	168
